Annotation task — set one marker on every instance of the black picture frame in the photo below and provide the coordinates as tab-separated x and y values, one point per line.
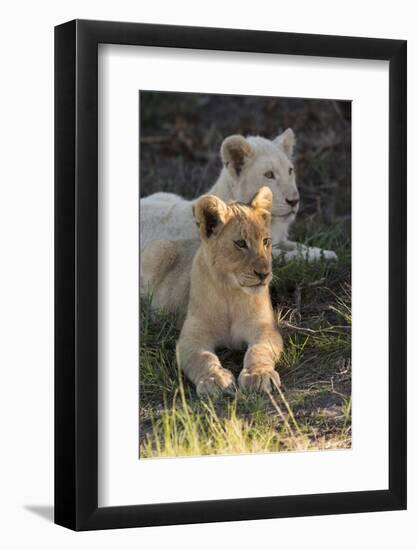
76	272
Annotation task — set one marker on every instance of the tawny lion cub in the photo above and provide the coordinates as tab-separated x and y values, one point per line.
229	301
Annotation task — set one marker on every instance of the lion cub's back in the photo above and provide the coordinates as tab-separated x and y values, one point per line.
165	216
166	270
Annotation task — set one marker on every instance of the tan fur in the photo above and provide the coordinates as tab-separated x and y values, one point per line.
229	303
166	270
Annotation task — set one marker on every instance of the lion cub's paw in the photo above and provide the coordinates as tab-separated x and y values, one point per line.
217	382
329	255
308	253
259	380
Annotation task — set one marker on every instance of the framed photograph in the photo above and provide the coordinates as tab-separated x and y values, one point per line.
230	284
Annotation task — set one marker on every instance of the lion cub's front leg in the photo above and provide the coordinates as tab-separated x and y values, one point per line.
202	366
258	373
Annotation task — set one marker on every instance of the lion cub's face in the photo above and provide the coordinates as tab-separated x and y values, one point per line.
253	162
236	240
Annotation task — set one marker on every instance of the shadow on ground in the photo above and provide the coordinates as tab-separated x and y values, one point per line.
45	512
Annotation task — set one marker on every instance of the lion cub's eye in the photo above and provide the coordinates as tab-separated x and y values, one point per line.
290	170
241	244
267	242
270	175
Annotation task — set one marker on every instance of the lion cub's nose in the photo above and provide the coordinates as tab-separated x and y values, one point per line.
293	202
262	276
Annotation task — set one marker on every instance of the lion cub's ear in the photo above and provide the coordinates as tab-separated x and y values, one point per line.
210	214
286	142
262	202
235	152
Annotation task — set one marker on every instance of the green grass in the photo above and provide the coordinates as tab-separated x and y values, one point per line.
312	410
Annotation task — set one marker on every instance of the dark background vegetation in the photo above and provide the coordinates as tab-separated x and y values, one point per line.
180	138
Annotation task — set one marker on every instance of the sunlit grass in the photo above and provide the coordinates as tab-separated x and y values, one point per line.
197	428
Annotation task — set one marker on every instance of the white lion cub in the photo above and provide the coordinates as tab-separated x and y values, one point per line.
248	164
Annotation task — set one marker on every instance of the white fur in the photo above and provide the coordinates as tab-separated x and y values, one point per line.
245	163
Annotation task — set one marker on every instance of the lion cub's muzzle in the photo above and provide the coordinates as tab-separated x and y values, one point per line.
262	275
256	278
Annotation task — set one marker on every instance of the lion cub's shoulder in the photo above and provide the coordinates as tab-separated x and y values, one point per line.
165	272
